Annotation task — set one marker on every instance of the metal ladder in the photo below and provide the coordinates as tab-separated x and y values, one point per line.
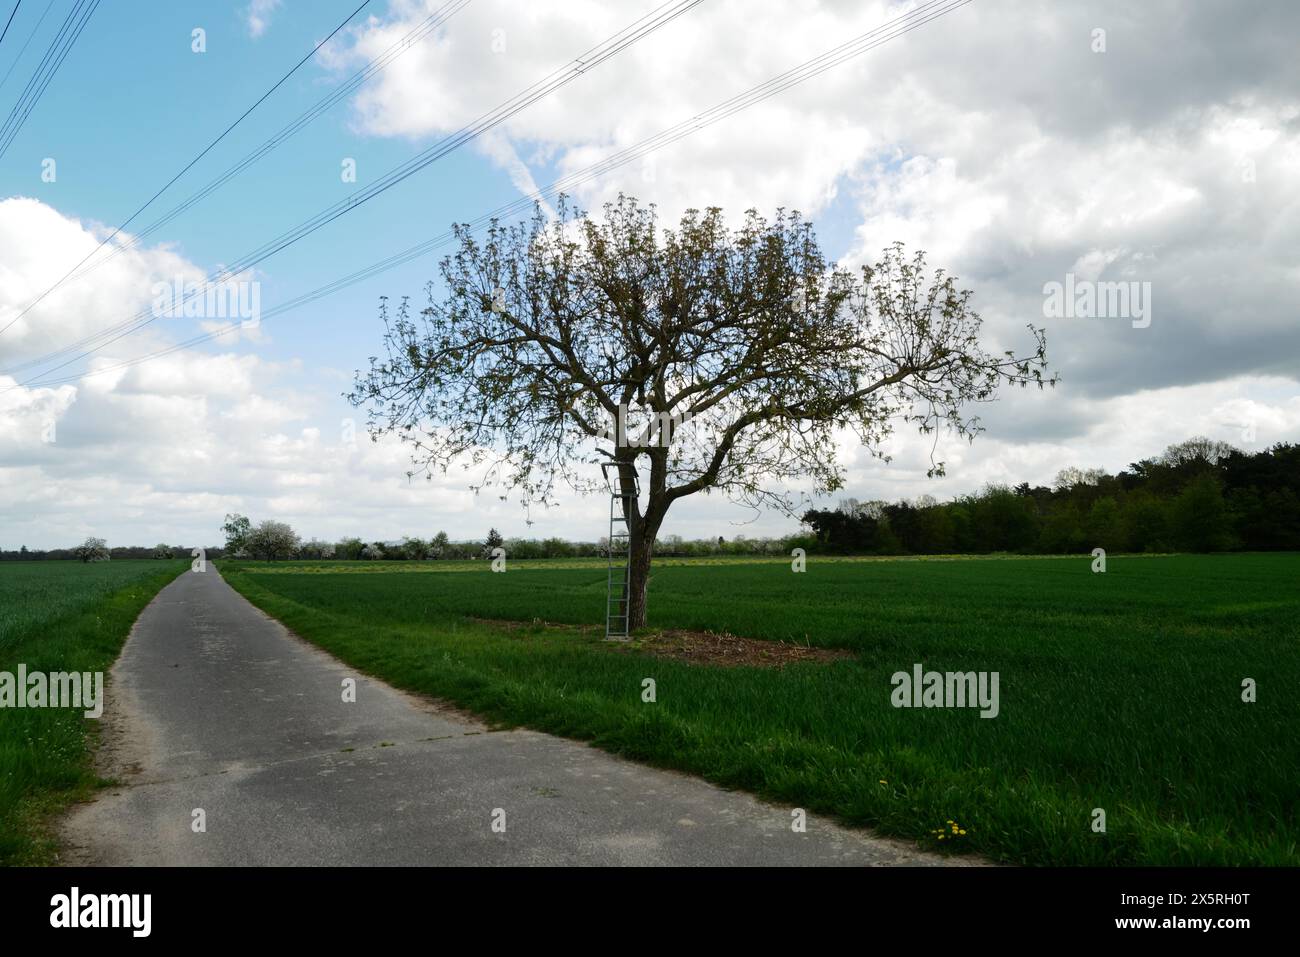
618	583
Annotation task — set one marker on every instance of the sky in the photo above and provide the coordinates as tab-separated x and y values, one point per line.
1020	144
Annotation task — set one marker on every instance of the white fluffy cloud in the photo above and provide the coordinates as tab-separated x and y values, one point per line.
994	137
162	449
257	16
38	247
790	151
162	452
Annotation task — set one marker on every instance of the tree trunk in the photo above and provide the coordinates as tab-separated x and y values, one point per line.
644	529
638	576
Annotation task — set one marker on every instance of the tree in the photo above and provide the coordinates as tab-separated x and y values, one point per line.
349	549
494	540
1197	451
315	548
1003	521
936	535
523	548
237	528
1105	525
1062	532
695	359
272	540
438	545
904	524
92	550
557	548
845	530
1073	477
1200	517
162	550
1148	523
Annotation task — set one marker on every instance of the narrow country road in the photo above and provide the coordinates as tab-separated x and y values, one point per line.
215	706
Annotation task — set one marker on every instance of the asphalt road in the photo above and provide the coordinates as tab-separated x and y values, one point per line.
213	706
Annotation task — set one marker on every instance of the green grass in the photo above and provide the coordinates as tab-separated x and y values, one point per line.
1119	691
59	616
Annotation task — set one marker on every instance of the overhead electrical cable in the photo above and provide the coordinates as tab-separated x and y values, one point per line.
58	51
5	32
807	70
136	238
190	165
638	30
31	36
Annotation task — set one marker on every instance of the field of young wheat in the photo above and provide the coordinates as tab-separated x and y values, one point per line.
1145	715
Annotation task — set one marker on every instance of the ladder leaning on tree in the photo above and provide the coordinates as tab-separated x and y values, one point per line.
617	591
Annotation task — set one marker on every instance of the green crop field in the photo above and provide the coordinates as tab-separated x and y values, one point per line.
1120	691
59	616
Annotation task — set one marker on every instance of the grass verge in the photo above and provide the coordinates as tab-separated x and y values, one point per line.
59	616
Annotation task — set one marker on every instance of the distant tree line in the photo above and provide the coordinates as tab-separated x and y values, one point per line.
97	550
270	541
1198	496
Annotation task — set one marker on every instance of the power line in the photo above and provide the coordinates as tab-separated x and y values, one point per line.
38	74
190	165
31	36
638	30
5	32
807	70
421	32
48	78
58	51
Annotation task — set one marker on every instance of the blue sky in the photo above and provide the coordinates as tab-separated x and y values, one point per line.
116	142
1000	140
